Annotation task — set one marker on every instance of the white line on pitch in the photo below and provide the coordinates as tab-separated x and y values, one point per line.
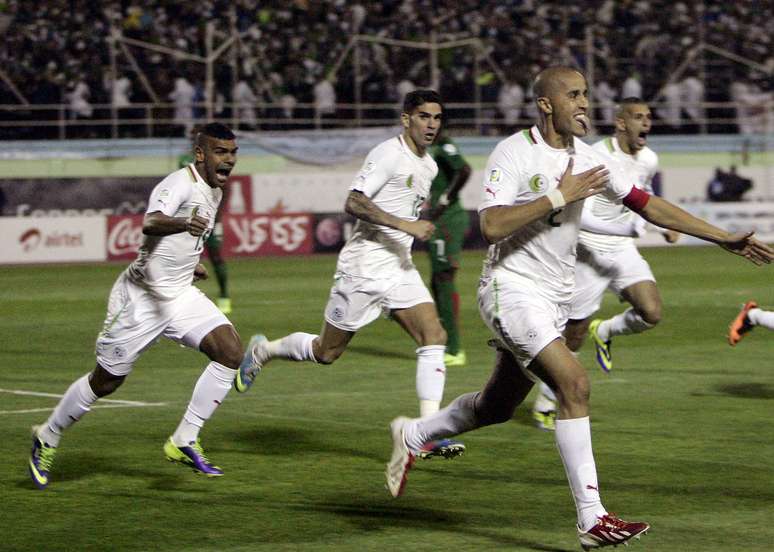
55	396
31	410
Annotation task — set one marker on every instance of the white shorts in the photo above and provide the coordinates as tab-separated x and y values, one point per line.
597	271
136	319
355	302
523	321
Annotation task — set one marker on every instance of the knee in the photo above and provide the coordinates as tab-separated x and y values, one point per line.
575	334
489	413
228	354
103	383
651	313
575	391
327	356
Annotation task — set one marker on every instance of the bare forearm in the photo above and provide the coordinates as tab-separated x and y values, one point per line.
159	224
498	223
361	207
667	215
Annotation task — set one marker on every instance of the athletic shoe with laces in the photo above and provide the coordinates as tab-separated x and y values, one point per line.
741	324
41	460
604	356
402	458
255	357
460	359
610	530
192	456
443	448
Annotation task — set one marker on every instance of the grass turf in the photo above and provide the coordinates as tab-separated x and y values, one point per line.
683	432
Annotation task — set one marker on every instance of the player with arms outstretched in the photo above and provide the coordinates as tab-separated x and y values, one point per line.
375	271
607	256
534	187
155	297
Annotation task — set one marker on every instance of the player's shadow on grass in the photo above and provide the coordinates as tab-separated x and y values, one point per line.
368	517
747	390
275	441
380	352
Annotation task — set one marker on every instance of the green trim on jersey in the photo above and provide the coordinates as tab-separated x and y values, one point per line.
609	144
528	135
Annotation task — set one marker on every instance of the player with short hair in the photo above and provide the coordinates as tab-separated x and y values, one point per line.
607	255
445	246
535	184
375	272
214	242
155	297
749	317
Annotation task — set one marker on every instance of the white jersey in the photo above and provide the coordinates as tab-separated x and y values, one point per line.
541	255
165	264
639	170
398	182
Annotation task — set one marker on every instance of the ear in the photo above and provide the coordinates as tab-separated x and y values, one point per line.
405	119
620	124
198	153
544	105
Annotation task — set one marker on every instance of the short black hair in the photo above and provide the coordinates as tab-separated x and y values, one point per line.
415	98
631	100
216	130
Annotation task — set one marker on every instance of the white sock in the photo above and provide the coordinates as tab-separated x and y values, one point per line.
76	402
760	317
212	387
628	322
458	417
431	377
546	400
296	346
573	437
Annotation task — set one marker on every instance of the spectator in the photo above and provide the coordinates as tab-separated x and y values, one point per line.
183	97
244	100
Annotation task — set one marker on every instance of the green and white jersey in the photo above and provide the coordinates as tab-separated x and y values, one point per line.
398	182
165	264
449	160
541	255
639	170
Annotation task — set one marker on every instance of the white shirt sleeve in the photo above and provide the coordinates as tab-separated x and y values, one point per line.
619	185
501	181
378	168
169	195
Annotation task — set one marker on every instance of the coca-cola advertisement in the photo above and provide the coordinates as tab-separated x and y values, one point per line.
124	236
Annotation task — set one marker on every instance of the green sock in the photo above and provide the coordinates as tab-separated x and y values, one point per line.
445	295
221	273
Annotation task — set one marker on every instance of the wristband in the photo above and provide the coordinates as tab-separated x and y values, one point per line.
556	198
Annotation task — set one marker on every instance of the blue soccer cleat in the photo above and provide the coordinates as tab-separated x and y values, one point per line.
443	448
192	456
255	357
604	356
41	460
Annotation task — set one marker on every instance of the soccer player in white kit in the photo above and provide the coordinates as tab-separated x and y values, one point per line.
534	187
375	272
155	297
607	256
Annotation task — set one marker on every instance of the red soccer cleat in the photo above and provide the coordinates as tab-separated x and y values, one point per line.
611	531
740	325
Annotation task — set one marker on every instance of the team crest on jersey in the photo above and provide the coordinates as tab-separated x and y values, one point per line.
410	181
495	175
538	183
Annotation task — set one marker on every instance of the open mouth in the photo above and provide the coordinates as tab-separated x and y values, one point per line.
642	138
222	174
429	136
583	120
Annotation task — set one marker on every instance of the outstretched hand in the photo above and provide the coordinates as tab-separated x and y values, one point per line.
575	187
200	272
745	245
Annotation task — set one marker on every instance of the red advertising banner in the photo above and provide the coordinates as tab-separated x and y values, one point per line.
124	236
270	234
244	235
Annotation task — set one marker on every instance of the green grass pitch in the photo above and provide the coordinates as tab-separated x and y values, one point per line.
683	428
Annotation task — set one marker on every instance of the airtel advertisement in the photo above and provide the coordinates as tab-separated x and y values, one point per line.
50	240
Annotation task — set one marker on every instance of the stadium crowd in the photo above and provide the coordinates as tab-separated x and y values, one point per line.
57	51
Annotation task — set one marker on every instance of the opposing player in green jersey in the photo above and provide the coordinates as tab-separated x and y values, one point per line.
451	223
214	242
